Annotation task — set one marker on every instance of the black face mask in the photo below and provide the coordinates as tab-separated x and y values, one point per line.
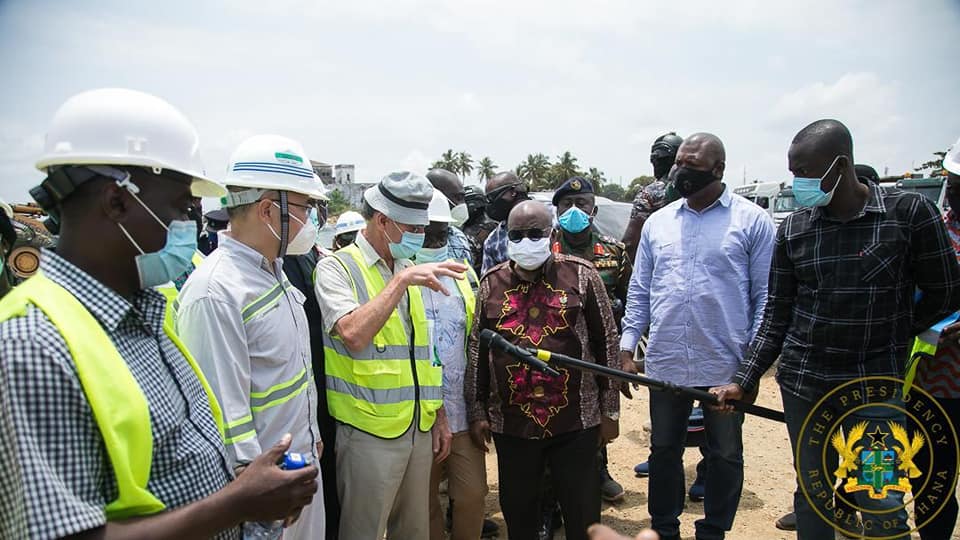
689	181
661	167
499	209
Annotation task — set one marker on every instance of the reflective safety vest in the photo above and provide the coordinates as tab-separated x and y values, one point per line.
118	403
921	349
171	292
378	389
467	287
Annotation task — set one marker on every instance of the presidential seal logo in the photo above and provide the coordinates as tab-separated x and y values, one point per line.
879	468
870	459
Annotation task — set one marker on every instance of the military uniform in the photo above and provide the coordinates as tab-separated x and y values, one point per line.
609	257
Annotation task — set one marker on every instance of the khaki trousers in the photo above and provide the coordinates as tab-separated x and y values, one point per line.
466	473
383	484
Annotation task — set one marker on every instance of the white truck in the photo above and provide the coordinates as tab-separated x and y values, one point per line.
763	194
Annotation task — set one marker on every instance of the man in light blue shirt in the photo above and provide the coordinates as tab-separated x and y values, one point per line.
699	285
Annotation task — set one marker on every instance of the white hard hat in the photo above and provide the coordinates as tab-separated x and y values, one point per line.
349	222
439	209
116	126
951	161
264	162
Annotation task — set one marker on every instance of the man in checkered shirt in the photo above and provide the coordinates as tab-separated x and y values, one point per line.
841	293
68	477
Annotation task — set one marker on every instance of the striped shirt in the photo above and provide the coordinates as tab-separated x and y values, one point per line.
841	294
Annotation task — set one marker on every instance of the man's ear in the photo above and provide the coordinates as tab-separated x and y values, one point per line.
263	208
115	202
719	168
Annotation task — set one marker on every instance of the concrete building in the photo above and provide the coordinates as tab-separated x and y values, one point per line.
323	170
344	174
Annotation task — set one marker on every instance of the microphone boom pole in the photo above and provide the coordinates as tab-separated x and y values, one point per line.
542	358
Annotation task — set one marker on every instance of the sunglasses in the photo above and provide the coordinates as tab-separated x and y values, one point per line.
497	193
517	235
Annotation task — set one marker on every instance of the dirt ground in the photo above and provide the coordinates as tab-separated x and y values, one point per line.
768	475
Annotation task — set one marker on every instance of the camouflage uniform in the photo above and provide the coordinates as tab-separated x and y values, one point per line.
610	258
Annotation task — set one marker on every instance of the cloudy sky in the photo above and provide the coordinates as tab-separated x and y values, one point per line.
391	84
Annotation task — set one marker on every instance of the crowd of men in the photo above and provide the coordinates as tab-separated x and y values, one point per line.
150	388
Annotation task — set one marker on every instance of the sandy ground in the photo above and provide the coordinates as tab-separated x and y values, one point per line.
768	482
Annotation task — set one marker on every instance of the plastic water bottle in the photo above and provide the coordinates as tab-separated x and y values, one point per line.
273	530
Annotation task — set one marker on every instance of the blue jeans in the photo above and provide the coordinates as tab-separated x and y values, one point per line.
810	526
724	466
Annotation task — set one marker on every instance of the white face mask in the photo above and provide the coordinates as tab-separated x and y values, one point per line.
460	214
303	242
529	254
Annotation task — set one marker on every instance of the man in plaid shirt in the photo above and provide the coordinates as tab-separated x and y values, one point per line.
841	292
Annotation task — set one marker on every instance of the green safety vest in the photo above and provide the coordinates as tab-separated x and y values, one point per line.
920	350
379	389
118	403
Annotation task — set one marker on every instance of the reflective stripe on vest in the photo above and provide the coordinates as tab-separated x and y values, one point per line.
378	389
118	403
266	301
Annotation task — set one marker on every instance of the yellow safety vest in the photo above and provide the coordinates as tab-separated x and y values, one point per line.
467	286
171	292
920	350
118	403
377	390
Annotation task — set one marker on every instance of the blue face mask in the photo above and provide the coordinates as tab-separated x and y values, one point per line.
574	220
433	255
174	259
410	244
808	192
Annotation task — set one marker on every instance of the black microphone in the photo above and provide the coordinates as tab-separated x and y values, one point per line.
496	341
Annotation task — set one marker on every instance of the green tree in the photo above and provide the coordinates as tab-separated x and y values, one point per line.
562	170
337	203
636	185
534	171
485	169
613	192
448	160
596	178
464	164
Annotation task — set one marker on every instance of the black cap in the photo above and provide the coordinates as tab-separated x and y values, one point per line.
573	186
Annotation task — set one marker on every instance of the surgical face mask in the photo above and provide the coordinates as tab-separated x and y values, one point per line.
808	192
460	214
303	242
574	220
410	244
529	254
689	181
174	258
433	255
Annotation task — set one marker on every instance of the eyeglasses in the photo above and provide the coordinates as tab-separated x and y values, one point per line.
497	193
318	205
517	235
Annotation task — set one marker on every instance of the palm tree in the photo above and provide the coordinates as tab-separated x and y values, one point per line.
596	178
464	164
567	166
447	161
534	170
485	169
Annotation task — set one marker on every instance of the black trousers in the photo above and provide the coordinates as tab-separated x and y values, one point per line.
572	459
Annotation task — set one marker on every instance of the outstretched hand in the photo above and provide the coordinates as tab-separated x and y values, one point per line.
429	274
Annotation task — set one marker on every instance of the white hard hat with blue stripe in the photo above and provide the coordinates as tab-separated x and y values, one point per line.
271	162
349	222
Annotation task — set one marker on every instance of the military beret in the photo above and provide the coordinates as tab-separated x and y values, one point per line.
573	186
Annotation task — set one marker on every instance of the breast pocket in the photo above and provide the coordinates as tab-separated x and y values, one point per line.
881	263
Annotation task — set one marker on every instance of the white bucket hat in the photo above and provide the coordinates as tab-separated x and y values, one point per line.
403	197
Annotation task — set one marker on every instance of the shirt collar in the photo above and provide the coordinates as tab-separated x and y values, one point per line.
248	254
724	200
874	204
108	307
370	255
